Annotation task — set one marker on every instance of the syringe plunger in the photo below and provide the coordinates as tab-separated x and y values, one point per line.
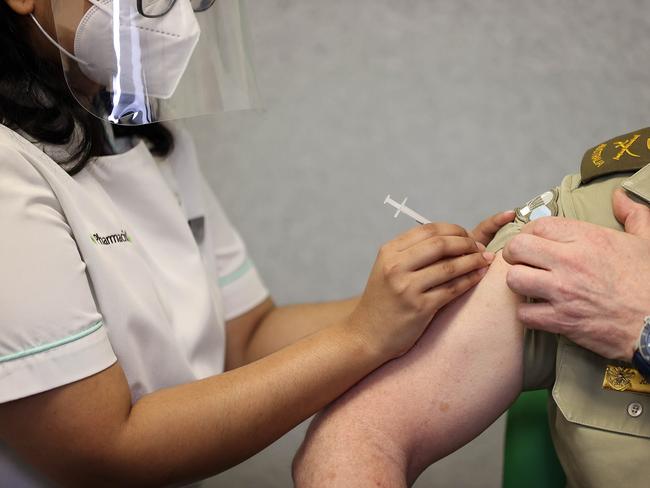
402	208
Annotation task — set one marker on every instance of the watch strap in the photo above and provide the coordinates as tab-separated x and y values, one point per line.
641	358
641	364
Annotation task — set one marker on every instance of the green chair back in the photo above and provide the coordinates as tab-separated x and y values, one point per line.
530	460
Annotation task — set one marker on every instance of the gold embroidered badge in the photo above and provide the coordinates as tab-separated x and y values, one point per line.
624	147
622	378
626	153
597	156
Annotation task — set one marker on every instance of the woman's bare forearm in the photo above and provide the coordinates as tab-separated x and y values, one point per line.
185	432
285	325
248	408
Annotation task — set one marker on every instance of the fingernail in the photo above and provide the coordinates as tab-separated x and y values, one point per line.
488	256
481	272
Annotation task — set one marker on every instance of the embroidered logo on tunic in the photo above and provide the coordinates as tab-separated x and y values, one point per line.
597	156
624	147
627	153
623	378
544	205
112	239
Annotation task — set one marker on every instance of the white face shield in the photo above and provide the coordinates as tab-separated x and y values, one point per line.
135	62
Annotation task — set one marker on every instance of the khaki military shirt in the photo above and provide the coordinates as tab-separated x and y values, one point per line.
599	416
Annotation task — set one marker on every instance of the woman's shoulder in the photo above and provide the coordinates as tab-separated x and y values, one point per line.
24	160
26	177
12	139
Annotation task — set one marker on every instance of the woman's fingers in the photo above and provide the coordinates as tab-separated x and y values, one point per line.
485	231
447	270
433	249
427	231
397	304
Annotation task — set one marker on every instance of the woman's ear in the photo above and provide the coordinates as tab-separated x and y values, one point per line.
22	7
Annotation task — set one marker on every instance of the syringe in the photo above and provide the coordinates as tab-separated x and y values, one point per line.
402	208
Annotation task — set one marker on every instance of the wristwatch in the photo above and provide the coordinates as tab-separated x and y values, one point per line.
641	358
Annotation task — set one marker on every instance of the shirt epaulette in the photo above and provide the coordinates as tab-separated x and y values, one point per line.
629	152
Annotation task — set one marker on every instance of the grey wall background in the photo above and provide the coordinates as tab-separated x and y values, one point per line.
465	107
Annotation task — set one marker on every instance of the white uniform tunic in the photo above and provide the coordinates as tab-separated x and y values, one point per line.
104	266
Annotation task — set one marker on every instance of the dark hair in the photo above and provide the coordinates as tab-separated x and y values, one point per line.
35	100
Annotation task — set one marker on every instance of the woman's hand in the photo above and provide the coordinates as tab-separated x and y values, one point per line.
485	231
414	276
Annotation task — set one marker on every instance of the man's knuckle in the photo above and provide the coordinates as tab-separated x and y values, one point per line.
566	292
516	244
598	239
541	227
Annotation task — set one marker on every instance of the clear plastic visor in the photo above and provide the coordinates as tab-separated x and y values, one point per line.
135	62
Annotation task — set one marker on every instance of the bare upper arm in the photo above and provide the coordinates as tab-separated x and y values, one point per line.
461	375
70	433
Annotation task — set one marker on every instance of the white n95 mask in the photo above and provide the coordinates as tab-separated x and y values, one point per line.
135	63
124	51
139	54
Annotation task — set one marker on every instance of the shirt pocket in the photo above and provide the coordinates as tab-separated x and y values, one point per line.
580	396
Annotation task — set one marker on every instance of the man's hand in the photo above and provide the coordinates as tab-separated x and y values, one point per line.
484	232
593	281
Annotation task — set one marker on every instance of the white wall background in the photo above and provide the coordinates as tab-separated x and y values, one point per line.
466	107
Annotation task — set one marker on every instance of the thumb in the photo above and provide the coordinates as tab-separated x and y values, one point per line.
631	214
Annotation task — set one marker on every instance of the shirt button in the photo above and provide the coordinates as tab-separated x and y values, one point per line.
634	409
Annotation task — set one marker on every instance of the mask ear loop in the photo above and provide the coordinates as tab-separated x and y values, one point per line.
58	46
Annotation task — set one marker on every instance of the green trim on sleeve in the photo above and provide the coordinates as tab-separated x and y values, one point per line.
46	347
237	274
